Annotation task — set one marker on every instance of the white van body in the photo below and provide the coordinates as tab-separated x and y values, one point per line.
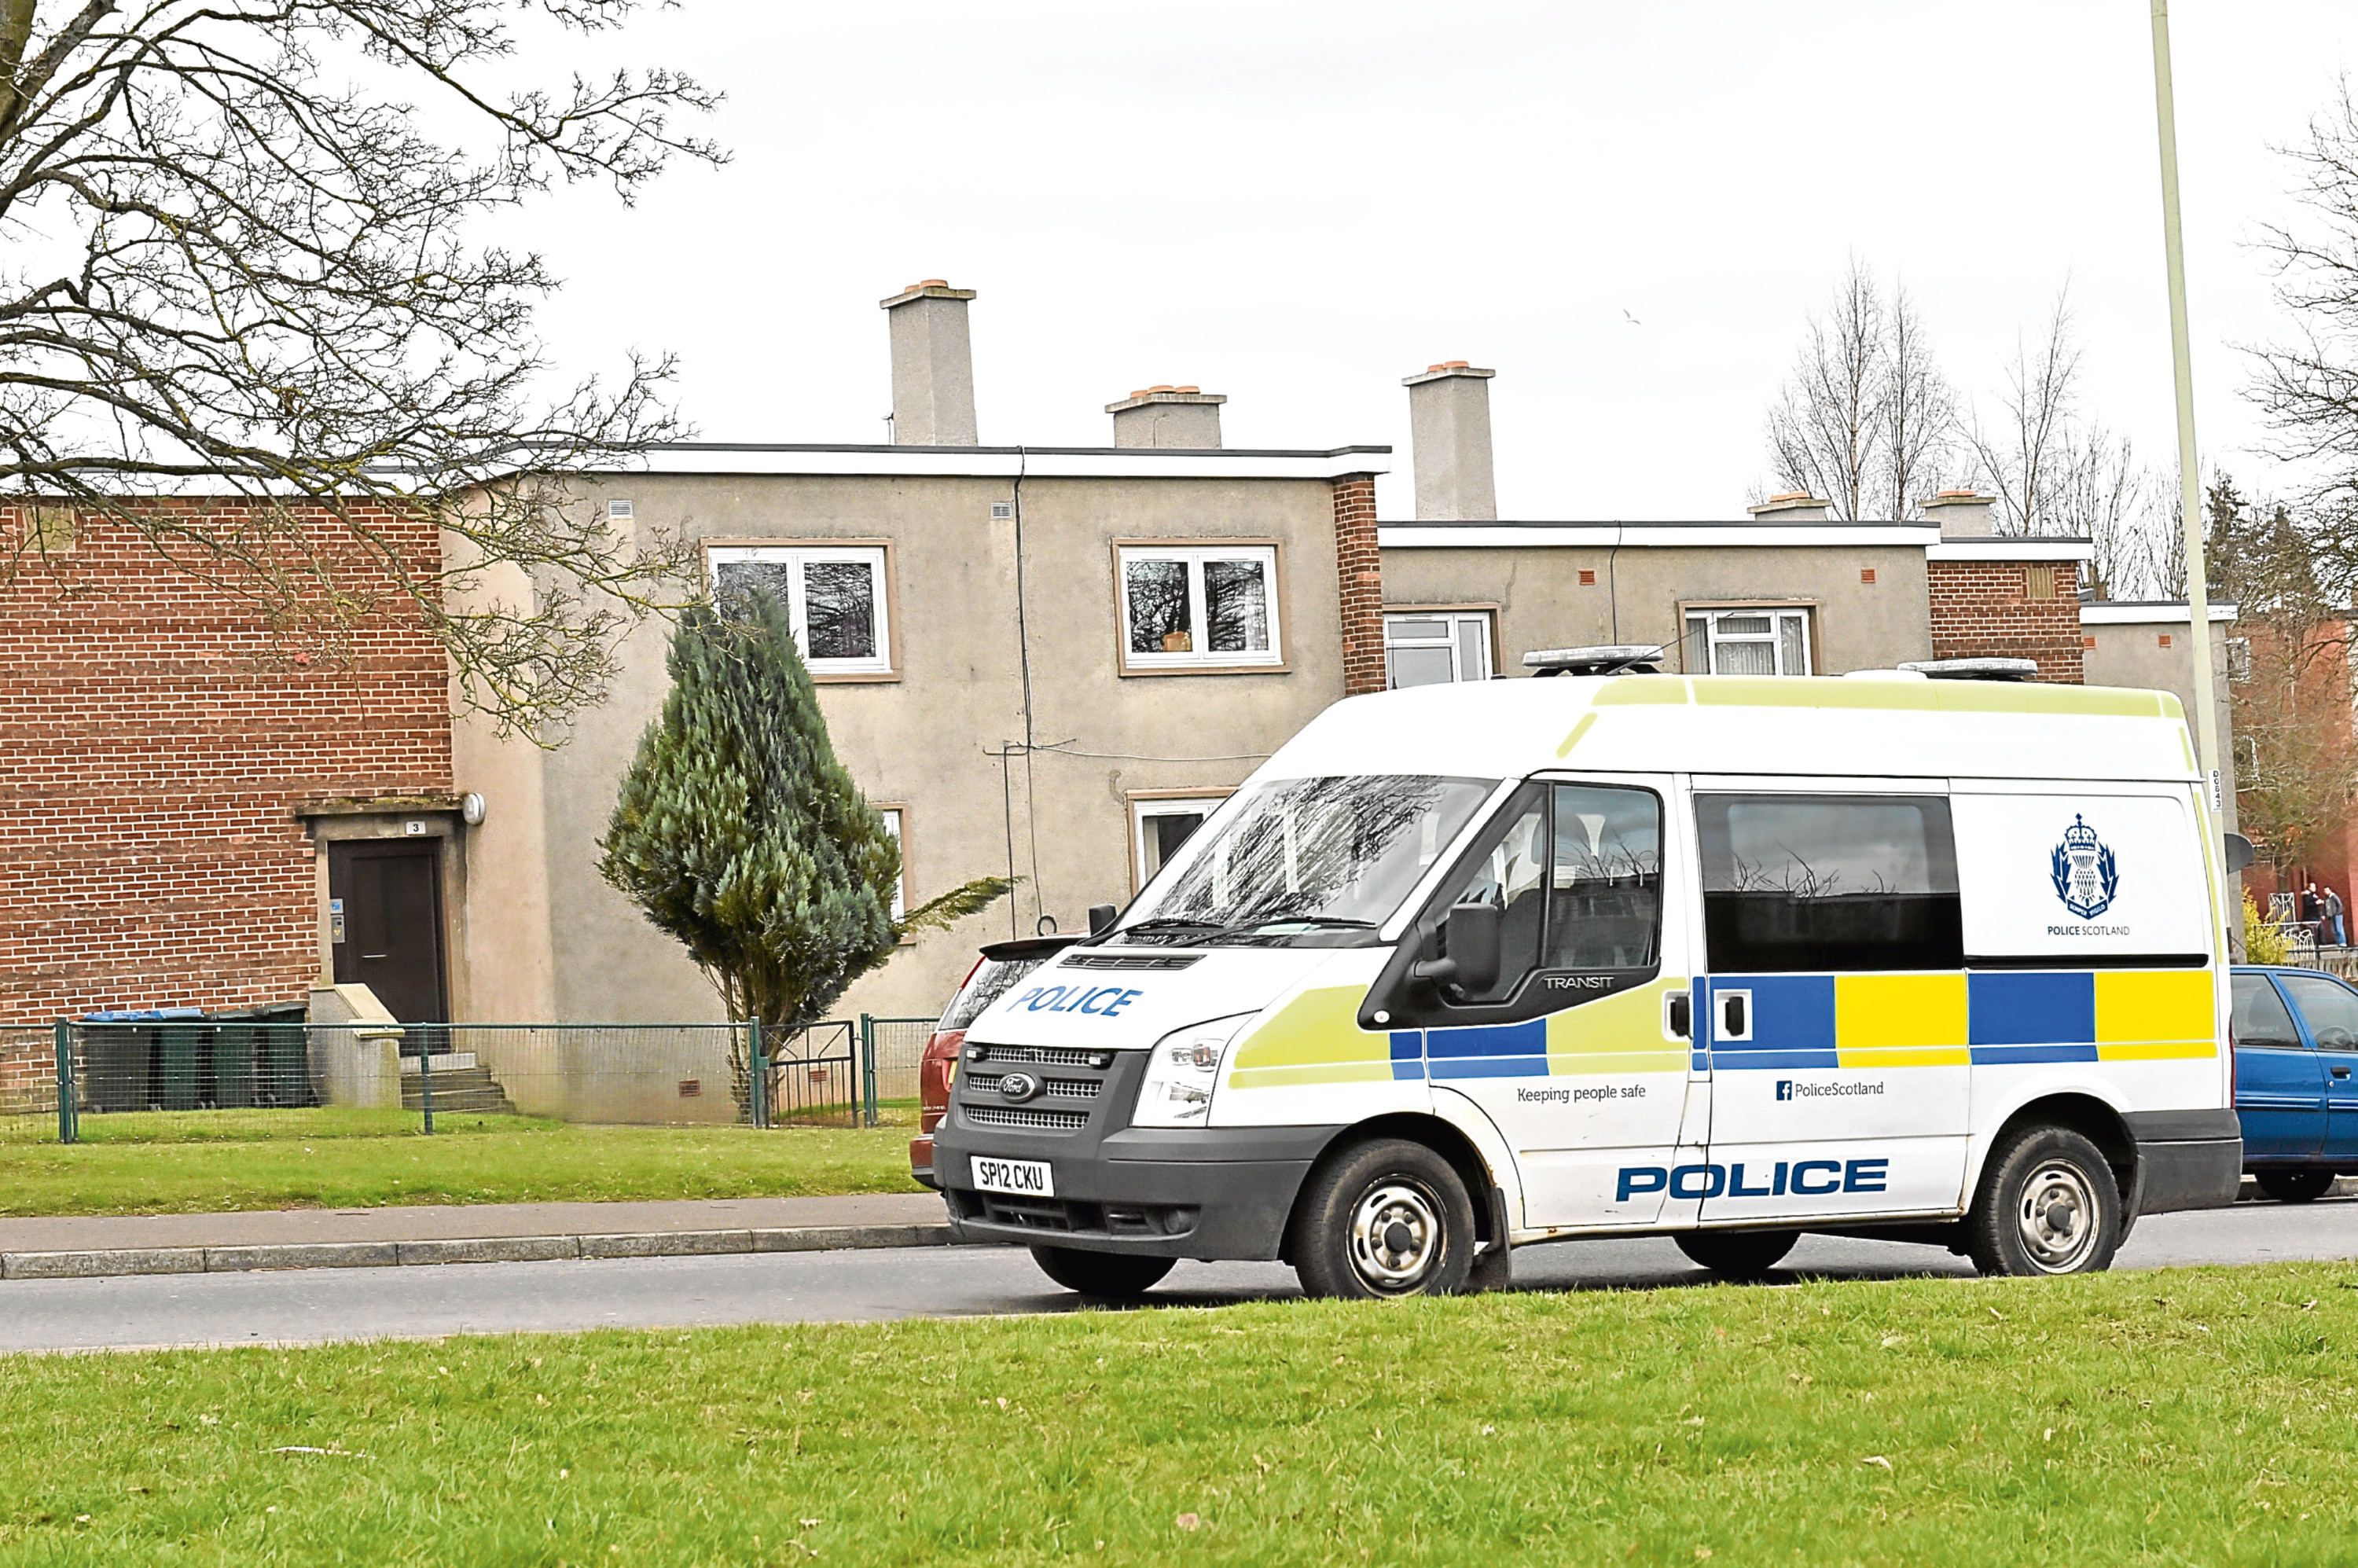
1778	955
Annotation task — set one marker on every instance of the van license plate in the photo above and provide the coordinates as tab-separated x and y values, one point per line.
1017	1178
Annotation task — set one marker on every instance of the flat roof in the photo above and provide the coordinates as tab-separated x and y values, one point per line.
1505	534
795	457
2149	611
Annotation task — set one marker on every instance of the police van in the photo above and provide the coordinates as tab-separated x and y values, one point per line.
1466	968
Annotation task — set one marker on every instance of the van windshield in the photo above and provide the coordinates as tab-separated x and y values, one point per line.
1306	862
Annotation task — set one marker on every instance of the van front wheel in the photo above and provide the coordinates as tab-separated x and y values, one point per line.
2048	1205
1388	1219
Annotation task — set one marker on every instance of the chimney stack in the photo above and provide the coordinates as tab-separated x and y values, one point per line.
1449	440
1961	513
1167	416
932	366
1794	506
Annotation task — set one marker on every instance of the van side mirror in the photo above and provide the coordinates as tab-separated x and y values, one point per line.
1471	938
1101	917
2240	853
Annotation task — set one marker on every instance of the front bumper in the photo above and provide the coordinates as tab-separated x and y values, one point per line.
1195	1192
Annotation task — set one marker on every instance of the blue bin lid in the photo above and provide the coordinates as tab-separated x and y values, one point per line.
145	1015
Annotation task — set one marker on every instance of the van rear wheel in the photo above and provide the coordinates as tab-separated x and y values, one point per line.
2295	1187
1737	1254
1116	1276
2048	1205
1385	1219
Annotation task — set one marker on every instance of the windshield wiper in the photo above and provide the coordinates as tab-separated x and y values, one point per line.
1294	918
1165	923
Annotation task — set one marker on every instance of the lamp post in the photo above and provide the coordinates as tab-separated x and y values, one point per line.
2189	480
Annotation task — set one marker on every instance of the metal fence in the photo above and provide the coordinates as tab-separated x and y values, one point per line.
133	1080
892	1048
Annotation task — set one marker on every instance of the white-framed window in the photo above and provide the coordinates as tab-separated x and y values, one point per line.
1199	605
892	816
1433	647
833	596
1748	640
1158	827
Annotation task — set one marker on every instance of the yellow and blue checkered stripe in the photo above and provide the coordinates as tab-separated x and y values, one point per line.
1985	1018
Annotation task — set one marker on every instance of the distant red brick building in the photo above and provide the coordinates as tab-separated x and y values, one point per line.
155	745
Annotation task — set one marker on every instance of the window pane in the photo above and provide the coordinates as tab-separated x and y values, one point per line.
840	608
1512	877
1817	882
1793	644
1743	659
1401	629
1743	625
2332	1011
1159	621
2260	1018
1418	666
736	581
1236	603
1697	661
892	827
1606	904
1164	832
1472	649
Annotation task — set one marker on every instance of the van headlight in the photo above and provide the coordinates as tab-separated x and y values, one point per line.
1180	1072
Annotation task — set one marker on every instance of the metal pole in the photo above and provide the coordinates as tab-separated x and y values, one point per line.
867	1070
425	1080
761	1072
68	1101
2190	478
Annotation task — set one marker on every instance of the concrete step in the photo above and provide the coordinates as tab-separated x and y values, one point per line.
471	1088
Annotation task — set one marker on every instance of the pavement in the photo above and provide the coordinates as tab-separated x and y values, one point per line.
485	1233
711	1290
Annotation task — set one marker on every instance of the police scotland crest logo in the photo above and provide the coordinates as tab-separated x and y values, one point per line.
2086	876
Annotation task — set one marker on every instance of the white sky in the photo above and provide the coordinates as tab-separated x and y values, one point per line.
1298	204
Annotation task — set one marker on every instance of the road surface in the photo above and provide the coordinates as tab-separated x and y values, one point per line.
309	1305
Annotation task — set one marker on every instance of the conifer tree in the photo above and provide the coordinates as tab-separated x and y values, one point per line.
739	833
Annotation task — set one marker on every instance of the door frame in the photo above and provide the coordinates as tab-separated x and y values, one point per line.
434	820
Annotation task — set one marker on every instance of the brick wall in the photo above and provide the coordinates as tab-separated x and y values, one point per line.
153	736
1358	566
1981	609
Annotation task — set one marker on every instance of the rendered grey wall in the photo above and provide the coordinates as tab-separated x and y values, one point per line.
2132	654
924	741
1636	597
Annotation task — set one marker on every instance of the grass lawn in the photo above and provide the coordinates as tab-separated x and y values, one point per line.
185	1162
2184	1417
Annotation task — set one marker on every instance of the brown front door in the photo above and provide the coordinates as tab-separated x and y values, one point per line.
391	895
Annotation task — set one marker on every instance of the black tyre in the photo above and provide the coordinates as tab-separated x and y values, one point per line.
1737	1254
1383	1220
2301	1185
1115	1276
2048	1205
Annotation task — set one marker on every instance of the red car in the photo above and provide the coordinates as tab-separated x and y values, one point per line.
993	975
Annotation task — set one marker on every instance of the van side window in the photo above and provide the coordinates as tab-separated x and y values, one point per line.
2260	1018
1604	897
1801	882
1577	869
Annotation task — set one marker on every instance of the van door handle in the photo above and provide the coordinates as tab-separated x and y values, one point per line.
1732	1013
2341	1072
1677	1015
376	954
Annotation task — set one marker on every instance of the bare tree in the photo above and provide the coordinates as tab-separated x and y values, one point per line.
1826	430
2101	493
232	272
2308	387
1866	420
1918	412
2026	455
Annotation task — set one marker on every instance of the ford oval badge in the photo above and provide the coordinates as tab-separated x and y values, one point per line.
1019	1085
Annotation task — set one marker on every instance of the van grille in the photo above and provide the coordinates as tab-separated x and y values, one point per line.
1038	1055
1024	1116
1070	1088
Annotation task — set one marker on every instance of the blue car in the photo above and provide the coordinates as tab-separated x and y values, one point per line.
2296	1079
